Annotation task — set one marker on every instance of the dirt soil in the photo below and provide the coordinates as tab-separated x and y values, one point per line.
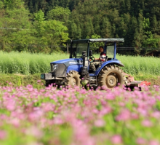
154	81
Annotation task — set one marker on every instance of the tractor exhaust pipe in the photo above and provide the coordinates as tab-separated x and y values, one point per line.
83	57
84	69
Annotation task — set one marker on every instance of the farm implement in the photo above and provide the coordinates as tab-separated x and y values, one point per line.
77	70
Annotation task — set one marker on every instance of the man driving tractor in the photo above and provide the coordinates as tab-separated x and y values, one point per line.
99	60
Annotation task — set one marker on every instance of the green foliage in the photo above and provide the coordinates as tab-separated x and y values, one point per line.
15	24
95	45
136	21
18	33
140	65
50	33
27	63
17	80
39	16
1	4
59	13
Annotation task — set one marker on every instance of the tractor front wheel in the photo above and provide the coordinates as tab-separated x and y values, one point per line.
73	79
110	77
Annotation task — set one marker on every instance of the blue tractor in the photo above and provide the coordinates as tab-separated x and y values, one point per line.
76	69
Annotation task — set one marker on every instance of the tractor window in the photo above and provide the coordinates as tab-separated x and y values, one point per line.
110	51
94	46
78	49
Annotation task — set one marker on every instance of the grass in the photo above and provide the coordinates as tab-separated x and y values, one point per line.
27	63
140	65
17	80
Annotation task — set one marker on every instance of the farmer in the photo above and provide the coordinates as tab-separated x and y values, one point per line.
101	59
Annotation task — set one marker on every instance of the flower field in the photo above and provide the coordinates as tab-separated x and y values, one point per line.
78	116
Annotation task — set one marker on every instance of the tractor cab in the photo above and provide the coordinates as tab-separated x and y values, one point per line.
88	45
88	50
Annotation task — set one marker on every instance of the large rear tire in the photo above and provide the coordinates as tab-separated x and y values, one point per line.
110	77
73	79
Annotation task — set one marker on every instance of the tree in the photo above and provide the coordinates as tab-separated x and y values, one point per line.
49	33
150	40
15	24
60	14
106	30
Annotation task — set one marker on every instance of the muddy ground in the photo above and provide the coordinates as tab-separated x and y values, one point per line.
154	81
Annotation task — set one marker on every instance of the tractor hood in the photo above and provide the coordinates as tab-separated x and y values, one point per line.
70	61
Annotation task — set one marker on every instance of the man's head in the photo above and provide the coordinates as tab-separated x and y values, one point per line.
101	49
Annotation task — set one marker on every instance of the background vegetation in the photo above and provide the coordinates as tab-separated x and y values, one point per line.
43	26
28	63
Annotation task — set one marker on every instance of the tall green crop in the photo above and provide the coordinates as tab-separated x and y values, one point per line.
140	65
27	63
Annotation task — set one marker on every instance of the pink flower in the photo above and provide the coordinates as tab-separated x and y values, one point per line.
154	142
105	110
124	115
147	123
34	131
10	104
99	123
156	114
122	104
58	120
48	107
2	135
117	139
141	141
15	122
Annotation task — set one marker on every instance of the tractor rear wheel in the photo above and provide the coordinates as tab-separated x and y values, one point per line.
73	79
110	77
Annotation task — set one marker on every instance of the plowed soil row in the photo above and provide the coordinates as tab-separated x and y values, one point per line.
154	81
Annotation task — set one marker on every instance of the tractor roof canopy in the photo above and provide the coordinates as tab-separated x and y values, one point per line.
99	40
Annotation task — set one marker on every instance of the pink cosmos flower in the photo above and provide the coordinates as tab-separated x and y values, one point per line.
147	123
2	135
34	131
15	122
58	120
156	114
99	123
116	139
141	141
10	104
154	142
38	81
124	115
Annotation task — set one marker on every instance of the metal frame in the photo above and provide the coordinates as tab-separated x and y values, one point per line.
106	40
115	50
99	40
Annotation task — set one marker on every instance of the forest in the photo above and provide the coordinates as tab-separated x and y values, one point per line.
45	26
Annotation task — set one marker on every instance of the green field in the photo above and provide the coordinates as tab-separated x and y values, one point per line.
27	63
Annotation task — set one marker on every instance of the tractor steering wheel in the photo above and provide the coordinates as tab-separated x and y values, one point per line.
91	59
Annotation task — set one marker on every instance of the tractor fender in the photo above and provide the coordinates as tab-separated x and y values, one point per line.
116	62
